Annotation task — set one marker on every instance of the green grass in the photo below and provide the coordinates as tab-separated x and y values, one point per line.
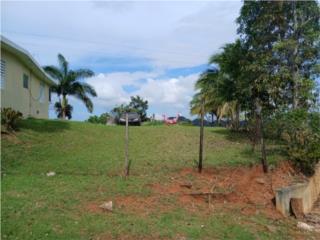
89	159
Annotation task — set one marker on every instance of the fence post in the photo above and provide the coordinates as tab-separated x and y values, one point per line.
126	161
201	137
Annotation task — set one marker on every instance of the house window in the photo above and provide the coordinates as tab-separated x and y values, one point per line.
25	81
3	73
41	92
49	95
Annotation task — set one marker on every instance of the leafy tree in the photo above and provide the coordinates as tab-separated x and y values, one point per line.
282	42
69	83
140	106
117	111
260	26
297	50
137	104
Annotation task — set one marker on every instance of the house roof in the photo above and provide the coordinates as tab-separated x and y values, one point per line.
25	57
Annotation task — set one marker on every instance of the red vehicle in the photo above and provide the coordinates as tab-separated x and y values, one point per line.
170	120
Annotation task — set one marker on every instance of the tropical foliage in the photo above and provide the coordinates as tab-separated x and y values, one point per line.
270	70
70	84
10	118
137	104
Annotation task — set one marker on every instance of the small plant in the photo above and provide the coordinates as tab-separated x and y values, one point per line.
10	118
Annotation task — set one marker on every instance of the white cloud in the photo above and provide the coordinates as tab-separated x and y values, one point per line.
169	34
164	94
157	35
109	86
173	91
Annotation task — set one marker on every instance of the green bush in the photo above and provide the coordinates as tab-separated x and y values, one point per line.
102	119
300	131
10	118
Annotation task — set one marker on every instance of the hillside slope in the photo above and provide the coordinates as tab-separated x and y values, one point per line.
88	162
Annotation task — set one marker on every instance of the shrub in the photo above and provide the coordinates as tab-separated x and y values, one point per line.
102	119
300	130
10	118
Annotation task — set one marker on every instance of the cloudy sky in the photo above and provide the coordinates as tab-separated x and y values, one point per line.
155	49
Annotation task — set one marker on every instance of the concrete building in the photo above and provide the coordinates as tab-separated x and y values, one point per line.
24	84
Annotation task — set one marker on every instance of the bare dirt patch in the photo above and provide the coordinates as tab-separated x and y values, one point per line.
93	207
246	189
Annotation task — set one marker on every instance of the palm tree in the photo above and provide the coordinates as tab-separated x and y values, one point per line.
207	92
69	84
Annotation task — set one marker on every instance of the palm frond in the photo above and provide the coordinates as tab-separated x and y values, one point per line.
86	100
56	89
54	72
89	89
83	88
63	63
83	73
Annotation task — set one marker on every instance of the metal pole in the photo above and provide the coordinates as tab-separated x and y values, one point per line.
126	163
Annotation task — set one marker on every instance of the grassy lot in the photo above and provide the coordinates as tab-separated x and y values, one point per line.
88	160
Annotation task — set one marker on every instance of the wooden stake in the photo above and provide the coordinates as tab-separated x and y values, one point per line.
126	161
201	138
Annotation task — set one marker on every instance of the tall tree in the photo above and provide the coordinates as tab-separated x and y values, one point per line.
259	31
233	87
69	83
298	50
140	106
282	42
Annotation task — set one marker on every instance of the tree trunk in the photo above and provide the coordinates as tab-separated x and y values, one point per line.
294	67
254	129
237	117
259	135
63	106
201	138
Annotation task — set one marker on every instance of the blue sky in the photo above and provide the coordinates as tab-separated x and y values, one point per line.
155	49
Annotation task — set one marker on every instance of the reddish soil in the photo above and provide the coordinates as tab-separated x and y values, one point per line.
246	189
94	208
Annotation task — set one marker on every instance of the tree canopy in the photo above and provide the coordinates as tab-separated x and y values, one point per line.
270	69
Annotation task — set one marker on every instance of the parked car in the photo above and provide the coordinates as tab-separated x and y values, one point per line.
133	119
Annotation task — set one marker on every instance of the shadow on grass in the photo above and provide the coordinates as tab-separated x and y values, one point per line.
41	125
230	135
274	154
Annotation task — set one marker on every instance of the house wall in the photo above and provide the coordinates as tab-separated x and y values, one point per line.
14	95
